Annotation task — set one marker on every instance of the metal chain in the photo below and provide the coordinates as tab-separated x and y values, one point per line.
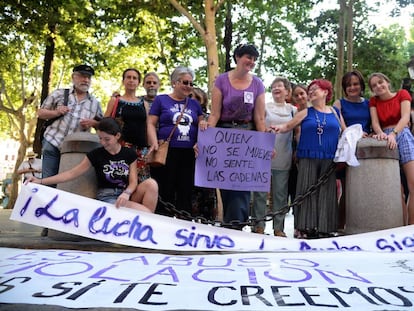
236	224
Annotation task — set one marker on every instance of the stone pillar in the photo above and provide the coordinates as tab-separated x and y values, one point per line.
373	189
73	150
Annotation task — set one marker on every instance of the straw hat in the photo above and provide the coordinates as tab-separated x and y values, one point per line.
31	154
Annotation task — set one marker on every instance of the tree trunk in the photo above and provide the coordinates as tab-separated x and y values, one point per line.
228	35
340	48
208	34
350	35
24	143
16	178
210	40
46	77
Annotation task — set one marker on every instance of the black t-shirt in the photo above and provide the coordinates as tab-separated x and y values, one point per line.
112	171
134	117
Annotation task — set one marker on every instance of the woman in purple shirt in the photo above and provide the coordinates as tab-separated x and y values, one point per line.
176	178
238	101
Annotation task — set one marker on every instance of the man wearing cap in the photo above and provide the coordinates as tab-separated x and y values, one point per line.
31	167
81	112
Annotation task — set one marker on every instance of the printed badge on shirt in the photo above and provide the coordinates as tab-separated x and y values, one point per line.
248	97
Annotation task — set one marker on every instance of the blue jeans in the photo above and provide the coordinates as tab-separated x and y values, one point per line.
235	205
50	160
108	195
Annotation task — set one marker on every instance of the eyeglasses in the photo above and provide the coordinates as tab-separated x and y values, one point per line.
151	82
186	82
313	89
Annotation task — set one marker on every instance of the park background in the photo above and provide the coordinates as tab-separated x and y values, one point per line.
41	41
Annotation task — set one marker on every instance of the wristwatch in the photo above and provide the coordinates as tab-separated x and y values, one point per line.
395	132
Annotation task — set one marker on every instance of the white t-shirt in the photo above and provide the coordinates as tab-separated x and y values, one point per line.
279	113
33	163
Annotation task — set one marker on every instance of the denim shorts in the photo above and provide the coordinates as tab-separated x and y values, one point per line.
108	195
405	142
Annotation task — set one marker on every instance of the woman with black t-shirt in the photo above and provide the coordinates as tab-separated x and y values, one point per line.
116	172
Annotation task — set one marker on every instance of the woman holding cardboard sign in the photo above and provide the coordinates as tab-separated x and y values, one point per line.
238	101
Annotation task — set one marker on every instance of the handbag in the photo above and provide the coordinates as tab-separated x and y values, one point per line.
159	157
114	112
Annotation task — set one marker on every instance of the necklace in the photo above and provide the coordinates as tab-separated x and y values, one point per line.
319	126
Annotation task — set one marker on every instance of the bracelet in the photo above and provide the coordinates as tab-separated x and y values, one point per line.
395	132
128	192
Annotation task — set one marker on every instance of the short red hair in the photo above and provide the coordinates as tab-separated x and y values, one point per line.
324	85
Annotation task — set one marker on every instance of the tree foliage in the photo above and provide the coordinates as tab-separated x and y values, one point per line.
274	23
19	78
42	40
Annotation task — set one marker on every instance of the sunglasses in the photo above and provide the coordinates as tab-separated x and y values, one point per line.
186	83
151	82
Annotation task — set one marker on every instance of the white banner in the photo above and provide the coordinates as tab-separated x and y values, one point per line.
67	212
245	281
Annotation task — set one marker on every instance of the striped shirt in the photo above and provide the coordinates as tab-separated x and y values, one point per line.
87	108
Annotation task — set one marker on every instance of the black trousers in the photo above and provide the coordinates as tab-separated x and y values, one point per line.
176	179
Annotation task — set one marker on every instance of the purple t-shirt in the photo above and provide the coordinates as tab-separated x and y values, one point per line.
238	105
168	111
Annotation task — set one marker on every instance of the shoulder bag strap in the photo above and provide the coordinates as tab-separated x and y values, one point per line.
30	167
178	120
335	114
113	113
66	97
337	117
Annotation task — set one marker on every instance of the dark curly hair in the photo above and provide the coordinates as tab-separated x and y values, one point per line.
242	49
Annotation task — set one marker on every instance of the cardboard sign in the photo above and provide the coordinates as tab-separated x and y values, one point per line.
245	281
234	159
